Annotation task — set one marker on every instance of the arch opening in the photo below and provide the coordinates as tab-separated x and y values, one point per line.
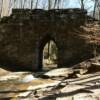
48	54
49	59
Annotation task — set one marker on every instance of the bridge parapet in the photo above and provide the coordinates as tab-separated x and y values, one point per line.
65	16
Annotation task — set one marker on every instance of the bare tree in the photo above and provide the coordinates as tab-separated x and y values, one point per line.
96	9
49	4
24	2
59	3
10	6
55	3
95	6
21	3
82	4
36	3
14	3
1	8
31	4
98	6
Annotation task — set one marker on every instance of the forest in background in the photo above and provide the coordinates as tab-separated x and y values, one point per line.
92	6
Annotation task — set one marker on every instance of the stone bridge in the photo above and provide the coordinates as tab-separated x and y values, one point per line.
25	32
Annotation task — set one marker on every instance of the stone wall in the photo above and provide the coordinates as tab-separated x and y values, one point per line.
24	34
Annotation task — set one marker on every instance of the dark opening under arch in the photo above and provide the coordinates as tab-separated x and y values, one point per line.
43	43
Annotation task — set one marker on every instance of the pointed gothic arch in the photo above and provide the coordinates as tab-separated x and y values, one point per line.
43	42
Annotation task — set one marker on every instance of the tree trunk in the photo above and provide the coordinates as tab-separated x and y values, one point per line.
82	4
1	9
55	3
95	5
31	4
36	4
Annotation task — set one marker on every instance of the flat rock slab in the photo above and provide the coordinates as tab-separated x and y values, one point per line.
80	96
14	76
72	88
59	72
17	96
33	85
